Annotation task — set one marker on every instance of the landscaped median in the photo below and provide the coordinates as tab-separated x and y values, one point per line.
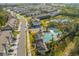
31	45
29	39
32	40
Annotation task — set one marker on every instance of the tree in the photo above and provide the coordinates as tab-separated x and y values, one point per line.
3	18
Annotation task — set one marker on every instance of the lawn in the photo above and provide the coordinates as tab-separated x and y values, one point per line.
44	22
15	33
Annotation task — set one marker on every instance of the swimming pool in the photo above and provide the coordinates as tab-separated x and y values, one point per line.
47	37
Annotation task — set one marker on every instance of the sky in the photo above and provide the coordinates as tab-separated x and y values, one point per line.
39	1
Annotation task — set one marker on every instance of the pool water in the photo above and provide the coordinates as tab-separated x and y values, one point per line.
47	37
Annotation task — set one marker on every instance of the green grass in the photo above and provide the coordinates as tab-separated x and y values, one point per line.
15	33
59	53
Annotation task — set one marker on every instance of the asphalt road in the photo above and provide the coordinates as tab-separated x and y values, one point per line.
21	51
24	40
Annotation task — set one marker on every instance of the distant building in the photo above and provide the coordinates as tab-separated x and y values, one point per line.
40	45
43	17
35	23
